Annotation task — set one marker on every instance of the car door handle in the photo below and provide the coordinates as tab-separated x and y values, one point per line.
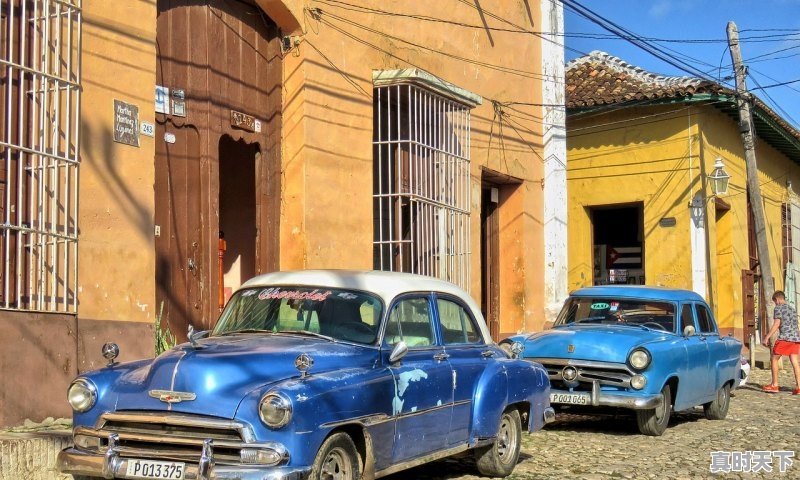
440	357
487	353
703	338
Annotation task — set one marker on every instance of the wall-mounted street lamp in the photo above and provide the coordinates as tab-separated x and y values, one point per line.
718	181
719	178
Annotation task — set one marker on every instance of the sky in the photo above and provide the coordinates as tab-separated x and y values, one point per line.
769	31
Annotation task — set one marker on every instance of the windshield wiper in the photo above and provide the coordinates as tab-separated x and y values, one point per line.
246	330
308	333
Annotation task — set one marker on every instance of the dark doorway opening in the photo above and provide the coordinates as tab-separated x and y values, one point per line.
617	244
238	218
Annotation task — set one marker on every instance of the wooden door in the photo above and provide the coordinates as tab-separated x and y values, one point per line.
490	255
220	60
748	305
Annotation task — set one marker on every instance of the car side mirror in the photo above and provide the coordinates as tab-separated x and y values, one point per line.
398	352
688	331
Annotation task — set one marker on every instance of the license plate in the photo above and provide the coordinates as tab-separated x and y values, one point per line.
149	469
571	398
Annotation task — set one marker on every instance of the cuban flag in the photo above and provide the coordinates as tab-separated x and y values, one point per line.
624	257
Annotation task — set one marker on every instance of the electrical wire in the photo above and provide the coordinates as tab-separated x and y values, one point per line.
777	84
324	15
774	104
633	38
771	53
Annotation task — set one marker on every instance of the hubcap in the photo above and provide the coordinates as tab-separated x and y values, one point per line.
722	398
336	466
506	439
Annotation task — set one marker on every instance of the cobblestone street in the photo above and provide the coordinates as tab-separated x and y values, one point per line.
584	447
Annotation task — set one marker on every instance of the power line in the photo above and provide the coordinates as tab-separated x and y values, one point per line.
777	84
775	104
322	15
632	38
771	53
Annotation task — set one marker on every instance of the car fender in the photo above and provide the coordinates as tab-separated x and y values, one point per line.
326	401
489	401
507	382
109	381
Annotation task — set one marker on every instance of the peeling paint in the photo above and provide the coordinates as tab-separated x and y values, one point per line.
403	379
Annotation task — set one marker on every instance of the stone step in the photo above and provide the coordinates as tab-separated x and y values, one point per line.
32	455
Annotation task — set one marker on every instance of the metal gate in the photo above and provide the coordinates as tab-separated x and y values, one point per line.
40	91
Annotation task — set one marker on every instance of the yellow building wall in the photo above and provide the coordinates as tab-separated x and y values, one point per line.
116	279
721	139
619	162
656	156
327	133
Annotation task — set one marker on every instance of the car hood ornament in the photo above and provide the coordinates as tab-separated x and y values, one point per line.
170	396
570	348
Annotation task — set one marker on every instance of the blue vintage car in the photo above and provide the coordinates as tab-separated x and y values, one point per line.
315	374
650	349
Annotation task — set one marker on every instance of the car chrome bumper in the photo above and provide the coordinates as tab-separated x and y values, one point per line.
79	462
600	398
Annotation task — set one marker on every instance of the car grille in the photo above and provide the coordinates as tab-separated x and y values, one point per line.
174	436
604	373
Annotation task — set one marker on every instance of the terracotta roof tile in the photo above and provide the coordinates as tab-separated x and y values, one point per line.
603	79
600	79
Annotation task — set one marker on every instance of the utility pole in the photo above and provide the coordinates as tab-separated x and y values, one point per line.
753	187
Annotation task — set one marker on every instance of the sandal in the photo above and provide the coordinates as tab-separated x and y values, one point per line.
770	388
796	391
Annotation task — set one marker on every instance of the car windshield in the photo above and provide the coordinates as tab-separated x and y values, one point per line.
331	313
618	311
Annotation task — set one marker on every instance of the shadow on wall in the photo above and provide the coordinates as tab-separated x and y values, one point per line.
35	388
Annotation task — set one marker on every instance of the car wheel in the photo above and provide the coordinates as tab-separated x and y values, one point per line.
718	409
337	459
500	458
653	422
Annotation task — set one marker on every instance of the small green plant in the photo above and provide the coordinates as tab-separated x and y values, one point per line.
163	336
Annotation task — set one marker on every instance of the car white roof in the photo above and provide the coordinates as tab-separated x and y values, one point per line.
386	285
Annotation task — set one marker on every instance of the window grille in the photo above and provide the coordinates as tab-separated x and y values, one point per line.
40	45
421	183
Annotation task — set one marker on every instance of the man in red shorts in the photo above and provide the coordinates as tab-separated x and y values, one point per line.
788	341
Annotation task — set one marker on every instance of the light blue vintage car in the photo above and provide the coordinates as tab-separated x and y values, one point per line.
315	374
650	349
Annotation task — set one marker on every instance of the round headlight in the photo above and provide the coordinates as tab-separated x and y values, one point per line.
275	410
638	381
639	359
82	395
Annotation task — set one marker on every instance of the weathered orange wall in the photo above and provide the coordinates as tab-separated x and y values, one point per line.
116	278
327	149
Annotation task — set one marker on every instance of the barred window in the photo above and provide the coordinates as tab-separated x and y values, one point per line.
421	182
39	128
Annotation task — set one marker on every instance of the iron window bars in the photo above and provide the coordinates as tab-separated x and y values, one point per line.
40	59
421	183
